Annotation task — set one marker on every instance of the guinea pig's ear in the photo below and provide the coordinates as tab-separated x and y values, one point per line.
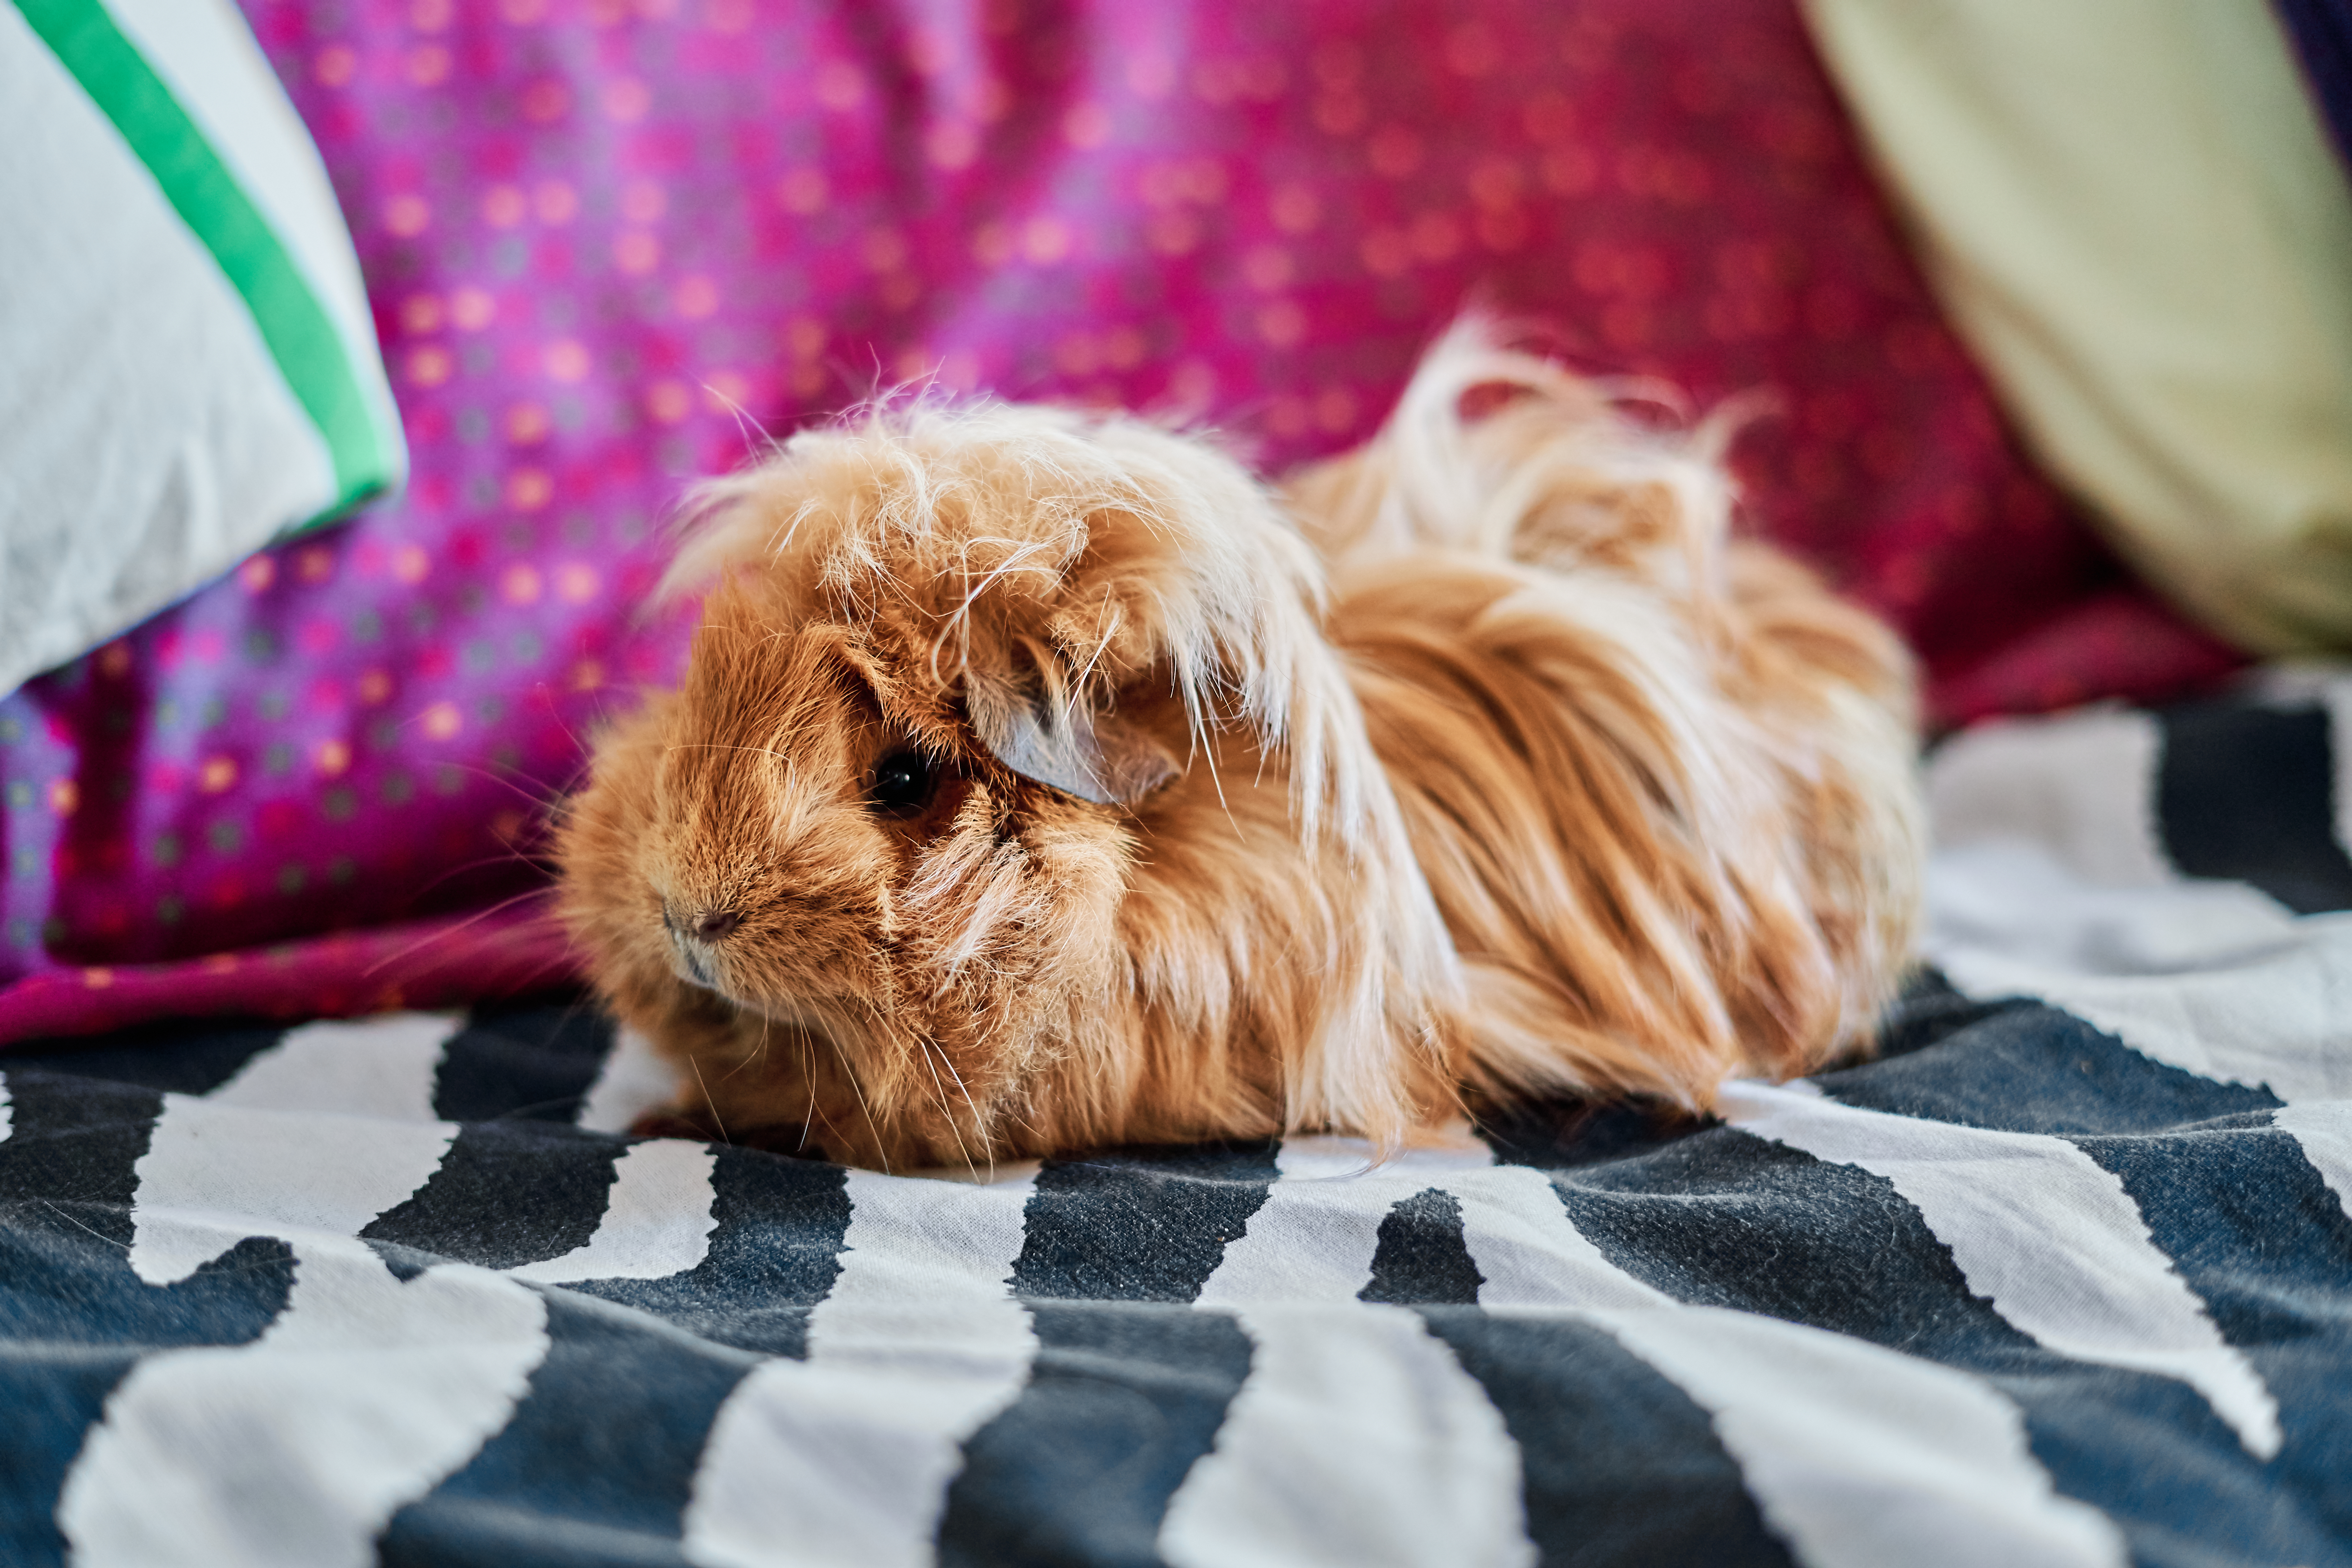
1032	721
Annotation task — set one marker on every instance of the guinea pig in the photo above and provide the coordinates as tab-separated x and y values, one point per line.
1039	780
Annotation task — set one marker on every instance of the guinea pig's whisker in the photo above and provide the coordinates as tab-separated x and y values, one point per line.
742	1062
808	1071
716	1119
849	1071
445	933
979	1124
725	746
947	1109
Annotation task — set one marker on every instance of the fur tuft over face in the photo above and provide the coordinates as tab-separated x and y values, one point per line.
1036	784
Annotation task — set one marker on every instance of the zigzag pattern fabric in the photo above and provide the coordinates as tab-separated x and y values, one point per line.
2063	1277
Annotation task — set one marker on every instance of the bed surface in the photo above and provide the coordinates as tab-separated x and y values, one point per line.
2066	1276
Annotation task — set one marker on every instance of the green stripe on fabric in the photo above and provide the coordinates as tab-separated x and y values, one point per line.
309	353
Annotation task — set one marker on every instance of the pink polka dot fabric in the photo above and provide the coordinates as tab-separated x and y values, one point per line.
611	243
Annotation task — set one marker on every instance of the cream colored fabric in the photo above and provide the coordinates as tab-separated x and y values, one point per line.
2131	211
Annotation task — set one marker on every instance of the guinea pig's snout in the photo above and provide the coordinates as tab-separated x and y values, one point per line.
709	926
692	932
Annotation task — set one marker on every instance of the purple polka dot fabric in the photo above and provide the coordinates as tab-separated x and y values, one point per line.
614	244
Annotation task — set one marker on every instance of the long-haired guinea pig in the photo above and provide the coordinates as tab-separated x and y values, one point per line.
1038	781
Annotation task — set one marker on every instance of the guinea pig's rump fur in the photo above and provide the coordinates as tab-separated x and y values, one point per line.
1039	781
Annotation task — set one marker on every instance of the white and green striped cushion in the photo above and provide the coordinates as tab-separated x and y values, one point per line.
187	365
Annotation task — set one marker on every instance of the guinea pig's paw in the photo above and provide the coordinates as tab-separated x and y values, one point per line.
677	1121
702	1127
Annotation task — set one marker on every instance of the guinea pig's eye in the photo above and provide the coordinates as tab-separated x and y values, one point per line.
903	784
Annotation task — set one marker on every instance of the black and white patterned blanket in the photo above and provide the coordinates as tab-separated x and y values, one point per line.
2065	1278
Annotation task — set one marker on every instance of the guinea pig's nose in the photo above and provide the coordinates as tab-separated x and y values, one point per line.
717	925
